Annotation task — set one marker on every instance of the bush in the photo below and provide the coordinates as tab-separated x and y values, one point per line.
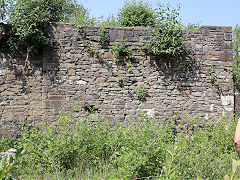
167	40
82	148
208	152
136	13
81	16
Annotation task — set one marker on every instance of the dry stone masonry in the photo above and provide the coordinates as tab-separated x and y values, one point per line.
70	77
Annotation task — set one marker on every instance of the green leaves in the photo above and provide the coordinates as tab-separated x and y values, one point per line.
167	39
121	52
236	55
29	18
141	93
135	14
7	162
234	171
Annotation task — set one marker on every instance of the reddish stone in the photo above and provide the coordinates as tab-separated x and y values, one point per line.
187	92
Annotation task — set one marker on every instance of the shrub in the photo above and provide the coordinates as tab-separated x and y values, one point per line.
136	13
83	148
167	39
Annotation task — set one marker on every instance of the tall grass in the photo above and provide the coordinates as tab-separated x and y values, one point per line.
81	149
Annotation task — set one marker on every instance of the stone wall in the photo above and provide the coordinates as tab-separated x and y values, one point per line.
68	76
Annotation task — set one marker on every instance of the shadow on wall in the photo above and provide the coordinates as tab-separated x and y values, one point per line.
21	88
182	70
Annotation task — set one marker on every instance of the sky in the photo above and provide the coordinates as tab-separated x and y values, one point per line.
204	12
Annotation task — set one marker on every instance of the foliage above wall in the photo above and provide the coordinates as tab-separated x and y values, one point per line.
28	20
167	39
135	14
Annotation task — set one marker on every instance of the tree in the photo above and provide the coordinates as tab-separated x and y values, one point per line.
136	14
28	20
4	5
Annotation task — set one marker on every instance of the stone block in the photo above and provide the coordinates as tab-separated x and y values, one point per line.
132	118
108	55
228	36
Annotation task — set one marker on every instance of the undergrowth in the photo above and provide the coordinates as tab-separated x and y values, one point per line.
81	149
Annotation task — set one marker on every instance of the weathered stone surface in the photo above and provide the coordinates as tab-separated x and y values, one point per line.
67	76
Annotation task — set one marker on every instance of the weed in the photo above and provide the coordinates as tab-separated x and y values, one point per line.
141	93
92	49
121	52
102	37
120	80
213	75
77	148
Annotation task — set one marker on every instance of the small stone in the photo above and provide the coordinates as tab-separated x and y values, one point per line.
108	55
39	78
72	71
151	91
187	92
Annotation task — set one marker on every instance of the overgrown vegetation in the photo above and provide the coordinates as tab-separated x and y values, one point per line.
7	163
213	75
80	149
236	55
28	20
141	93
167	40
122	52
136	13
